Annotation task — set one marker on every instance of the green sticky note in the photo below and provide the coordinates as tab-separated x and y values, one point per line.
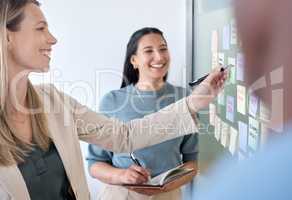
232	76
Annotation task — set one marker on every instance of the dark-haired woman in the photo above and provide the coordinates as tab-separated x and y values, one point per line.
144	90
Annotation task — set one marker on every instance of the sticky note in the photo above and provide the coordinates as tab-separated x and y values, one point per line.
232	76
230	108
264	112
240	67
224	134
253	134
215	61
241	99
253	105
221	98
233	39
243	134
214	41
212	113
217	131
233	144
226	38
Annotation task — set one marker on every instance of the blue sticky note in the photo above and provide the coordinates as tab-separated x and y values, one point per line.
242	131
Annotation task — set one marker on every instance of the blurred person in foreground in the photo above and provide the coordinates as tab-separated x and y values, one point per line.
265	28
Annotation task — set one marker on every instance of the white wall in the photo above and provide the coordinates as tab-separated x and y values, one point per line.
92	37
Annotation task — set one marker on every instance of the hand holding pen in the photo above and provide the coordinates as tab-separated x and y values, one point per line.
135	174
200	80
208	89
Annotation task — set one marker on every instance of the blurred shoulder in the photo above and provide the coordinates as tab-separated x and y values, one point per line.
114	98
47	90
178	90
50	95
116	95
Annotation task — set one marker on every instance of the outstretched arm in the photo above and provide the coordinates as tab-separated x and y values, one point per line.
173	121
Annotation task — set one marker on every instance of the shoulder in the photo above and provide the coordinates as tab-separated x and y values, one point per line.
117	94
51	91
177	90
51	96
44	88
114	98
47	91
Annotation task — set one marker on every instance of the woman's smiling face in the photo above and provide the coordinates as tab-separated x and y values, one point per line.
29	48
152	58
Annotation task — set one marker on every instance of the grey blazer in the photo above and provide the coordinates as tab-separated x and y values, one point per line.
70	122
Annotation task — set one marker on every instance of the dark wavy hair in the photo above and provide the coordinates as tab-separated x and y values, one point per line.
131	75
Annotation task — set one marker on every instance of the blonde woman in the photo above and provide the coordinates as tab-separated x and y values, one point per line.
40	127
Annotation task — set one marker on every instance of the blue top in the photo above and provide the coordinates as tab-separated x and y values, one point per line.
130	103
267	175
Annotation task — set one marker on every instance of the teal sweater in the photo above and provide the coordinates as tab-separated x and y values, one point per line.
130	103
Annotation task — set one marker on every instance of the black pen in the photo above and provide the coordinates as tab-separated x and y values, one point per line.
135	160
200	80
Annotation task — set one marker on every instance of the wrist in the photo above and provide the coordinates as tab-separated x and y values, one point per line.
119	176
191	103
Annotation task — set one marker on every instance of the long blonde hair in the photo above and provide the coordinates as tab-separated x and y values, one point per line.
12	148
